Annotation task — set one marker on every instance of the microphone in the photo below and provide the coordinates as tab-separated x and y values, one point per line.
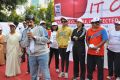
29	30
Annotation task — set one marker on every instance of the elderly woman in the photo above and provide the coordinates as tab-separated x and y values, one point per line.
13	52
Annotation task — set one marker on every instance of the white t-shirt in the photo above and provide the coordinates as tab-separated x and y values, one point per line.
114	41
32	44
53	40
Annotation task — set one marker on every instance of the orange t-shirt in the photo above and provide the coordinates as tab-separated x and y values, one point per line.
96	37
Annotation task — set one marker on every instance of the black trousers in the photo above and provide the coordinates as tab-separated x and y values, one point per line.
23	59
55	52
79	62
28	67
23	56
64	59
113	63
92	61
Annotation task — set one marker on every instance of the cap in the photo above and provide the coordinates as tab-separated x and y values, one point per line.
117	22
41	22
54	24
79	20
63	19
11	24
96	20
24	21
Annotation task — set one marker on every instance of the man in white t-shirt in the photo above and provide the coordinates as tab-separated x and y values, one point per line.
114	52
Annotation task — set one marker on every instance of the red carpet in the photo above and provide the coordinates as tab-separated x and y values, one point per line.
54	75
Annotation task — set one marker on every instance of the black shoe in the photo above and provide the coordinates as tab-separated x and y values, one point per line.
82	78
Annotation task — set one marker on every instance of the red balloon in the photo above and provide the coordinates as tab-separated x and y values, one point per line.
72	8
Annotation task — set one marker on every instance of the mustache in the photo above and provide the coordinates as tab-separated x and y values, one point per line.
30	25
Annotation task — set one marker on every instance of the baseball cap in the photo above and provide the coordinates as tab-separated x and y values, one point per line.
79	20
11	24
54	24
41	22
117	23
63	19
96	20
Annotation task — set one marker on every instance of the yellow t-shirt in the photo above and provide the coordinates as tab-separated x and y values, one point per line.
63	36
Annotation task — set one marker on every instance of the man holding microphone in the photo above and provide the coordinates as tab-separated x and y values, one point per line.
36	44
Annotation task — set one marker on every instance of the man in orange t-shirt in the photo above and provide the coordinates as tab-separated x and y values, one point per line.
96	37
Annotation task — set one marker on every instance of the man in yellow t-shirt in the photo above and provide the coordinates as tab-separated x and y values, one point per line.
63	36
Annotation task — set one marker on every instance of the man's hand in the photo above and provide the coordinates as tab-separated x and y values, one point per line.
95	48
30	35
92	46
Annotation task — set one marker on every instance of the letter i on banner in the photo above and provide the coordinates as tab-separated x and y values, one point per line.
58	9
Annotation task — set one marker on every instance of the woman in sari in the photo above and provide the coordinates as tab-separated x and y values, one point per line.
2	55
13	53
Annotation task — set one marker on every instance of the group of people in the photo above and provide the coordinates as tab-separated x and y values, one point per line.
34	41
64	41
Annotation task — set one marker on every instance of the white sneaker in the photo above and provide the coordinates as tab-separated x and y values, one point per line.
118	78
109	77
65	75
61	74
57	70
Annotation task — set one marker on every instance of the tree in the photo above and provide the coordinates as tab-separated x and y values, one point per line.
46	14
41	14
32	11
8	5
50	12
14	17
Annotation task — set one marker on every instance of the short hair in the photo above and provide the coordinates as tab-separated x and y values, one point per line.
30	17
16	23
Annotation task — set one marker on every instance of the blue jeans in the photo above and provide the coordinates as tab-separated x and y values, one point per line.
39	65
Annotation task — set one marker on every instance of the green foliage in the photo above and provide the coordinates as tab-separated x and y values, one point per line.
41	13
14	17
34	11
3	17
50	12
9	5
30	10
46	14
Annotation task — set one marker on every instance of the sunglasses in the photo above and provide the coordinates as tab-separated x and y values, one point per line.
95	22
117	25
63	21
